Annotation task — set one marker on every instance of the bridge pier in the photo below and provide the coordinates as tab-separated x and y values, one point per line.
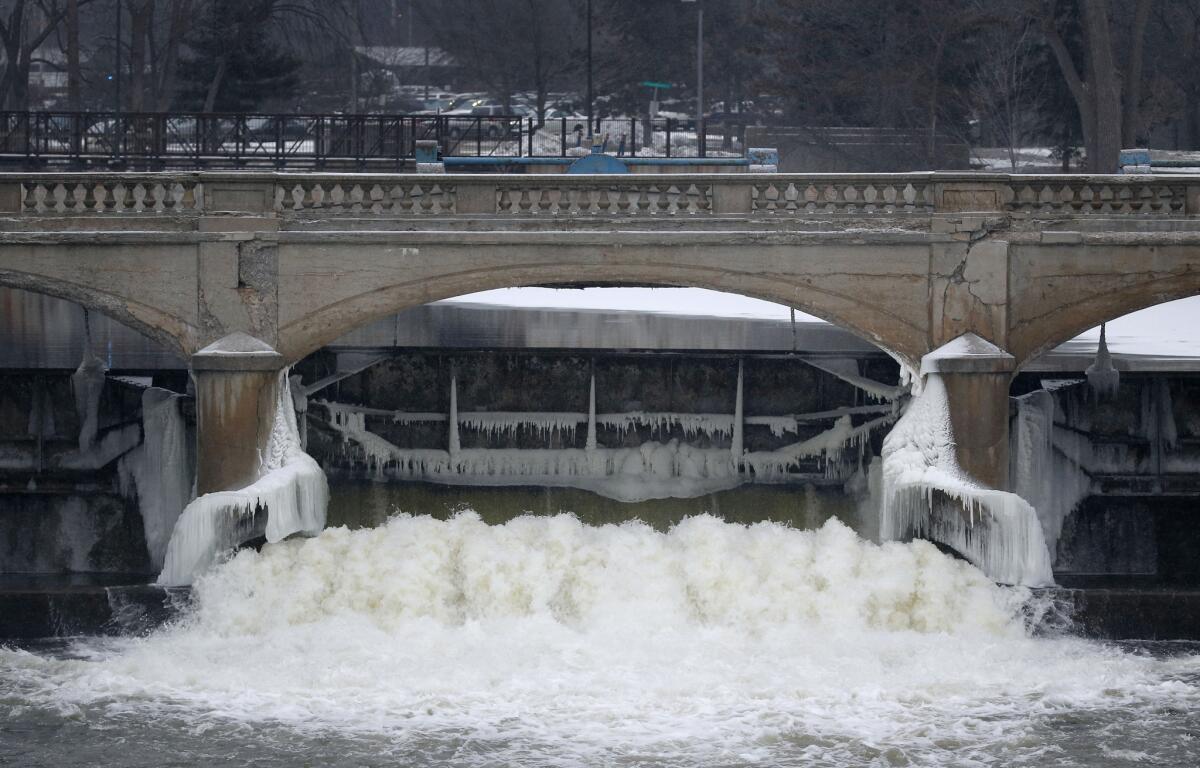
977	375
237	388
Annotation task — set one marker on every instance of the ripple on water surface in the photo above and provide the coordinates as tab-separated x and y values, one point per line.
546	642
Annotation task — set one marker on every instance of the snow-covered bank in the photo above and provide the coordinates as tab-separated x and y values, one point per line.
289	497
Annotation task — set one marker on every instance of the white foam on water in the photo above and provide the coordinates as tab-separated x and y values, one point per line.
547	642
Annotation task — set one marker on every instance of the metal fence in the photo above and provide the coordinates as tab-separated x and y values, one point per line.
637	137
363	142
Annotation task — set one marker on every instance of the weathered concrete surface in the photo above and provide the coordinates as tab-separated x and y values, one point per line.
237	389
909	261
906	261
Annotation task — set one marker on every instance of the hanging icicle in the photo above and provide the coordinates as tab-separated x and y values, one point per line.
454	444
591	427
1102	377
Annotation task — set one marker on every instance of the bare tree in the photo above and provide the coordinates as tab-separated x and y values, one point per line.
510	45
1006	92
27	25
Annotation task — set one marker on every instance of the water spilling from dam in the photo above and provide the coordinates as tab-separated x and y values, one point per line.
543	641
564	556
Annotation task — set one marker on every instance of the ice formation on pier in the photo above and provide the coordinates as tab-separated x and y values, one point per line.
290	496
159	472
926	493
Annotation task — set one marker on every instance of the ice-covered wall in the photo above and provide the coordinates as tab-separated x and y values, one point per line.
160	472
289	497
1048	464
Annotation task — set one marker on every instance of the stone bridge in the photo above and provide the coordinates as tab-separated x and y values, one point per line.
245	273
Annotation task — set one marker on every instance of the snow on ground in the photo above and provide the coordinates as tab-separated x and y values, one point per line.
669	301
1166	330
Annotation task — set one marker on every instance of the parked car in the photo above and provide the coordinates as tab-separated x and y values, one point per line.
474	122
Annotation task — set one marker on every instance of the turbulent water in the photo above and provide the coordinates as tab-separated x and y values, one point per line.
547	642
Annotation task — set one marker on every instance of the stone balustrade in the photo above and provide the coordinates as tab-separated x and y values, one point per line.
292	195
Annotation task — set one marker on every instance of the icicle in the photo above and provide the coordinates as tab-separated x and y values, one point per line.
736	445
1102	377
454	444
591	427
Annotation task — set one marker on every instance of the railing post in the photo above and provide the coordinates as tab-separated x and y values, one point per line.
319	143
278	120
562	145
160	145
198	137
77	136
731	197
668	137
475	198
969	196
1192	199
702	138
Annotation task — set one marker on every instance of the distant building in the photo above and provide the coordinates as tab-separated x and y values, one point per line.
411	65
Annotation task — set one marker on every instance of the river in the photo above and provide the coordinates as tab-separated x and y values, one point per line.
545	641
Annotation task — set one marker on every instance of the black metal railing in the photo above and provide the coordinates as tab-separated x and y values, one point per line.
157	140
637	137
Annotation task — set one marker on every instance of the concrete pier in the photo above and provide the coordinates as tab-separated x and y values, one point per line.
237	388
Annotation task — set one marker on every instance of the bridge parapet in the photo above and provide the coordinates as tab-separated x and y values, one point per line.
291	195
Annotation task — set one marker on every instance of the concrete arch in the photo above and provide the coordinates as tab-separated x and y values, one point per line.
165	329
875	321
1105	302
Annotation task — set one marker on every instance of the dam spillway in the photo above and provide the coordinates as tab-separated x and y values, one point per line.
776	558
653	396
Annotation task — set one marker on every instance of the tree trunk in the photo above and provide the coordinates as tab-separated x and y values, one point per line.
1105	149
181	12
934	95
74	76
1133	76
139	18
214	86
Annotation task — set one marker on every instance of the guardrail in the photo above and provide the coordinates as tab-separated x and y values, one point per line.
160	141
548	195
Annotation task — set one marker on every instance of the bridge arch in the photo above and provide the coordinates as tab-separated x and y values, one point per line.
164	328
903	337
1069	319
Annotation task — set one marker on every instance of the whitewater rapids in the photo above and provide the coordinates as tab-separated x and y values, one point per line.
547	642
